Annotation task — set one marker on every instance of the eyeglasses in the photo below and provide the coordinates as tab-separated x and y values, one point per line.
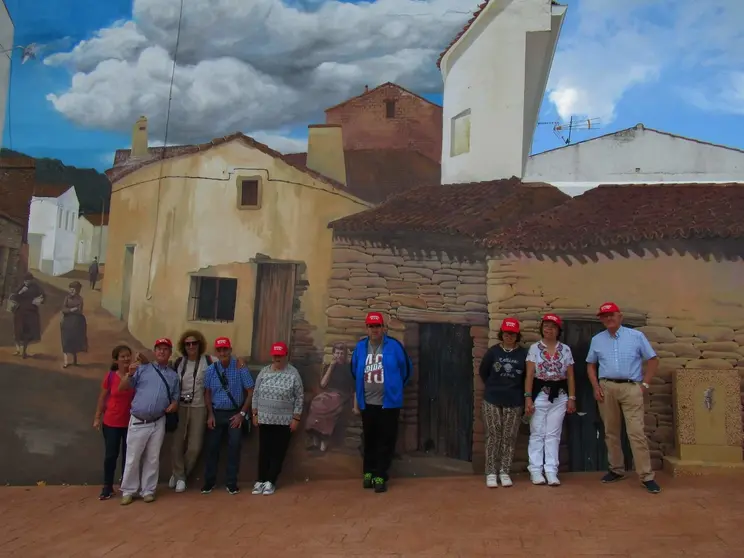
191	343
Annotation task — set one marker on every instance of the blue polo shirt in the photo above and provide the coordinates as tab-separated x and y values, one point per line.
620	356
238	380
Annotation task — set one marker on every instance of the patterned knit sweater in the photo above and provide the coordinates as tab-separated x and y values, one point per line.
278	395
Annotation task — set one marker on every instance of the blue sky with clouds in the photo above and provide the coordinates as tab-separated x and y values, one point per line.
269	69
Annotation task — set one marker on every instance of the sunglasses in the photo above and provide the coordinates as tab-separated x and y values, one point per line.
375	326
191	343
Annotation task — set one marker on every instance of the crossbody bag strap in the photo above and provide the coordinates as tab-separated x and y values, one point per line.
225	385
167	388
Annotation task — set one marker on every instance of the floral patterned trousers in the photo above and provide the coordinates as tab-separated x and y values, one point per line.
502	427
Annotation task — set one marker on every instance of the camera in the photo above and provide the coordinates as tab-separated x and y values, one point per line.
187	398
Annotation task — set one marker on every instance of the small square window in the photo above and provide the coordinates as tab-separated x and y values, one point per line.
390	109
213	299
249	193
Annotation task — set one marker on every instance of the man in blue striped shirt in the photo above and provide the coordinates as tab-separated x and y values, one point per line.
228	389
621	385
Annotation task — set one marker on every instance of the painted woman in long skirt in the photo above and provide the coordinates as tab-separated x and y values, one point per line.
74	327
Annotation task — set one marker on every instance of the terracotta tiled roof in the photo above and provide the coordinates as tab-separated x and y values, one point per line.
616	215
474	210
386	84
96	219
18	184
476	13
125	164
376	174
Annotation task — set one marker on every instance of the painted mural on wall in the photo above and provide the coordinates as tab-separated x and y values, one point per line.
355	278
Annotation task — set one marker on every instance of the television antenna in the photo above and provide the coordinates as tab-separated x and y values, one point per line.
564	130
28	52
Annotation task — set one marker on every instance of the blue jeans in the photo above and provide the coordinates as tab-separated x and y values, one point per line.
214	440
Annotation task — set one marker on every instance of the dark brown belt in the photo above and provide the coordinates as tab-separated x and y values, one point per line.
143	421
617	381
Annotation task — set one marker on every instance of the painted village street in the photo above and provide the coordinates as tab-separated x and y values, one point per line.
451	516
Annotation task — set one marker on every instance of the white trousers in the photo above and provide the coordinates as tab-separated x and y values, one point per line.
142	466
545	433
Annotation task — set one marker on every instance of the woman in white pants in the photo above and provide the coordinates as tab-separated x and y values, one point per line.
550	393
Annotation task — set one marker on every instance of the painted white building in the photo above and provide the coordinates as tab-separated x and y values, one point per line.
7	32
92	237
52	235
495	75
637	155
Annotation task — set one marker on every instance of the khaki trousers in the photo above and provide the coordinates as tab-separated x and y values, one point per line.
188	440
627	397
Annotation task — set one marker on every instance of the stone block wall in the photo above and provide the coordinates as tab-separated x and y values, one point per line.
679	341
408	288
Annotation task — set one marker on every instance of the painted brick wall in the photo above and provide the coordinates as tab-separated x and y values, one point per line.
11	268
417	123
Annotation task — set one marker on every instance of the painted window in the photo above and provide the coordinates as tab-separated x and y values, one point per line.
213	299
249	191
460	134
389	109
60	214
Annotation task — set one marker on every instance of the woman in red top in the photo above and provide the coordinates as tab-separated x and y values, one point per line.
112	416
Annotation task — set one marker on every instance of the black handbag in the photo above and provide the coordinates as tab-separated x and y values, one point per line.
171	419
246	428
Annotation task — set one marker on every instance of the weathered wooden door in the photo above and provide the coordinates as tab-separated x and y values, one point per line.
586	436
445	412
272	310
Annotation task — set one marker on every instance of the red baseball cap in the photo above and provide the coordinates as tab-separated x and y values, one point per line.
164	341
608	308
553	318
279	349
510	324
222	343
374	318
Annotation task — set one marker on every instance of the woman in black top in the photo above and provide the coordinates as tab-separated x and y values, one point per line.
502	371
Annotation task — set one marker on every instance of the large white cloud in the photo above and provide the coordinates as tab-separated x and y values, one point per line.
265	65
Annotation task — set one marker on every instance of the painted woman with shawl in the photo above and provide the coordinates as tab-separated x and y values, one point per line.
25	304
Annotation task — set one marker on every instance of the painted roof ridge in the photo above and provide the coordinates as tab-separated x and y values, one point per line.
386	84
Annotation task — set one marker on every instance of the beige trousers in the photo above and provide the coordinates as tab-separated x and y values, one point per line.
188	440
627	397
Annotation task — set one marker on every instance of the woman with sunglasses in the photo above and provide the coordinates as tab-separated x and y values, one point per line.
550	393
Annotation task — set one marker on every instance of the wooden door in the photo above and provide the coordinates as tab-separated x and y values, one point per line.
445	412
586	436
272	311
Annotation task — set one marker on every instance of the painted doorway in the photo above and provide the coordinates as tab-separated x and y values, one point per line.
585	431
445	411
273	308
126	282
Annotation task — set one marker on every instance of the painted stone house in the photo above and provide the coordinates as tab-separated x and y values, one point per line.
447	267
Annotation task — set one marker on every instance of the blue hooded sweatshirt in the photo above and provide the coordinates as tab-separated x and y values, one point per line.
396	364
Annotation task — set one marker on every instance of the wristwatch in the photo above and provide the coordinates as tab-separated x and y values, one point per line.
644	384
572	397
242	414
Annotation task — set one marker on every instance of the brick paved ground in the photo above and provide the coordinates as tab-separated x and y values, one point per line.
455	517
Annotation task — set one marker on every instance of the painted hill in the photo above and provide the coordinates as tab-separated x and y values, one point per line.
93	188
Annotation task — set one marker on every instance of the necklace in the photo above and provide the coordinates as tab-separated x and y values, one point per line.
507	350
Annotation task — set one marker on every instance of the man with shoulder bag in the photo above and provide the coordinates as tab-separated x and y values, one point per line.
154	412
228	390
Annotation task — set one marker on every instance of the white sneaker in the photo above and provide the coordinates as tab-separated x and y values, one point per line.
491	481
258	488
269	489
505	479
181	486
537	478
172	482
552	479
323	445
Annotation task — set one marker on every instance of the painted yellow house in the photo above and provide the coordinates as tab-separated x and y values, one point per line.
227	237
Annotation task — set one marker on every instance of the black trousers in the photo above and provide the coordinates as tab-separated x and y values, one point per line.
114	439
273	442
214	440
380	429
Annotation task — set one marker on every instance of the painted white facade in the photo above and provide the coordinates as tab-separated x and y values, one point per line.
7	32
91	241
55	220
638	155
497	71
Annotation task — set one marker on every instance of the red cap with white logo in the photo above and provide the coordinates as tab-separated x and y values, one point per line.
608	308
510	324
222	343
553	318
279	349
164	341
374	318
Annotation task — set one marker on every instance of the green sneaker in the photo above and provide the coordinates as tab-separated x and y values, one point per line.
380	484
368	483
126	499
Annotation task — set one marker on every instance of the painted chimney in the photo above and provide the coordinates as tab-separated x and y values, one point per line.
325	151
366	88
139	138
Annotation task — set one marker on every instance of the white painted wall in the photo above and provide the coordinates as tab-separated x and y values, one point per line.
498	74
6	43
91	242
55	219
636	155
